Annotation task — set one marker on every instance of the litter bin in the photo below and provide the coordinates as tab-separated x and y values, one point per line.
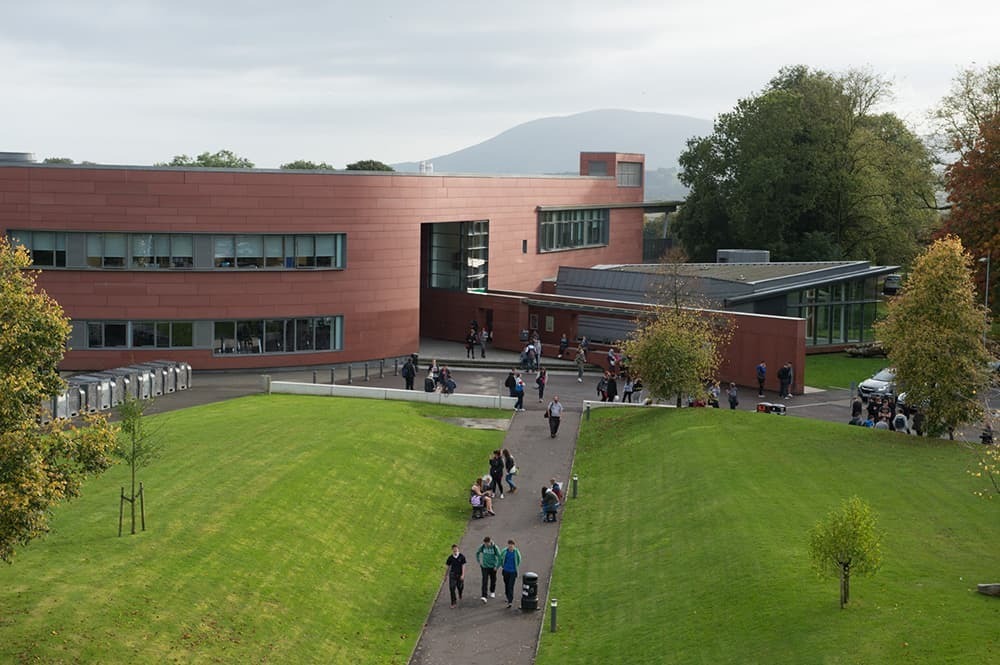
429	385
529	591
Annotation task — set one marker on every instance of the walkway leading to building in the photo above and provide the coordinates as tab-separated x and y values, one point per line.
489	633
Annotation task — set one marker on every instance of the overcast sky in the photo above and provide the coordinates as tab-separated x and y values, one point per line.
138	81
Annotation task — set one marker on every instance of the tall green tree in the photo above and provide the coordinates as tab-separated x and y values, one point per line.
39	465
221	159
847	542
369	165
933	333
306	165
138	445
809	171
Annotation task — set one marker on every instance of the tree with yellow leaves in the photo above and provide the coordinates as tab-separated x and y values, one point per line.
933	333
39	465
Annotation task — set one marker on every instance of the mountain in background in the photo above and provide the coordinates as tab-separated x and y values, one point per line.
553	146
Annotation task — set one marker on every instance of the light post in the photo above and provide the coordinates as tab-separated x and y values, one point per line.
986	298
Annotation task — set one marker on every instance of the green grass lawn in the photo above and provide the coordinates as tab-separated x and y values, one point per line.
839	370
281	529
688	544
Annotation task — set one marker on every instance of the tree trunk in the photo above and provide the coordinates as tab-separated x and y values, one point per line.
845	584
132	503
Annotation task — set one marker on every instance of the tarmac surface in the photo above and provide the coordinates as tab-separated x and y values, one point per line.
489	632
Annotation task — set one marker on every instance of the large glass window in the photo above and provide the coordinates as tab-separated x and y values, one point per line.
279	335
162	334
630	174
106	250
249	251
572	229
459	255
145	251
106	334
46	248
224	251
841	313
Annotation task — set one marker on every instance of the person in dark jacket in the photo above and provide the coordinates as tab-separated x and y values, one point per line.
409	372
785	380
496	472
511	383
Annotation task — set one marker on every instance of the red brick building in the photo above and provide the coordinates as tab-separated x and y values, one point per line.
253	268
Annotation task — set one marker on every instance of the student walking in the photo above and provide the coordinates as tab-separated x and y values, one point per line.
496	472
456	575
489	557
511	562
540	381
519	392
555	415
734	396
580	360
511	467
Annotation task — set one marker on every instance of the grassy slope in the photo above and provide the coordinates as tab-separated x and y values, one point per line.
838	370
281	529
688	545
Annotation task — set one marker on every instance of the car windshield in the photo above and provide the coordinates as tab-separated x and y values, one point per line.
886	375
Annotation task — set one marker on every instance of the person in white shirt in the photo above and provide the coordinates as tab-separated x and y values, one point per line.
555	415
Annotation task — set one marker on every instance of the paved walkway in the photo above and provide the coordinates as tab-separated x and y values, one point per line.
477	632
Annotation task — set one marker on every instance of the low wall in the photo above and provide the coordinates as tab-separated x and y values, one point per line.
327	390
597	404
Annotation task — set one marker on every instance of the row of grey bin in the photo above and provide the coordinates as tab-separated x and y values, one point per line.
100	391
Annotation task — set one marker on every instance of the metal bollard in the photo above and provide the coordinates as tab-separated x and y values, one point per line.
552	611
587	413
333	376
350	375
575	479
266	381
381	368
395	366
366	371
314	376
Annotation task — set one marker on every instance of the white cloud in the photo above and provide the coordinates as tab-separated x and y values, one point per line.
138	82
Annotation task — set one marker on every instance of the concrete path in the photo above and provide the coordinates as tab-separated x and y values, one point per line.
478	632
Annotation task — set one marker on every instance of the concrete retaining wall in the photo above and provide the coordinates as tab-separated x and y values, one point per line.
455	399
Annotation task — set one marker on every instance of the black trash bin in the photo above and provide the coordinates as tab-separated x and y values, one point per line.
529	591
429	385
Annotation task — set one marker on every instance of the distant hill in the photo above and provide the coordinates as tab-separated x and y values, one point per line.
553	145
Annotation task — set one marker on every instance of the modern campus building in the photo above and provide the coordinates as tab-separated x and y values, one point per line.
837	299
234	268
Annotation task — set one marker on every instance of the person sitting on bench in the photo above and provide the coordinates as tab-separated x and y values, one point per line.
550	504
480	497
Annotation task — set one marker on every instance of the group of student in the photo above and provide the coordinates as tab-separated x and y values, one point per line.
490	558
884	412
476	337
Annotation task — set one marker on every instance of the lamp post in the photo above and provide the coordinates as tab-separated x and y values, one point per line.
986	298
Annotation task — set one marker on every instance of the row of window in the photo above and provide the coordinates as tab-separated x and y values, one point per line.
325	333
571	229
147	251
140	334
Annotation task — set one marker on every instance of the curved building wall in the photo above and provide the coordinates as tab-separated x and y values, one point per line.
376	296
